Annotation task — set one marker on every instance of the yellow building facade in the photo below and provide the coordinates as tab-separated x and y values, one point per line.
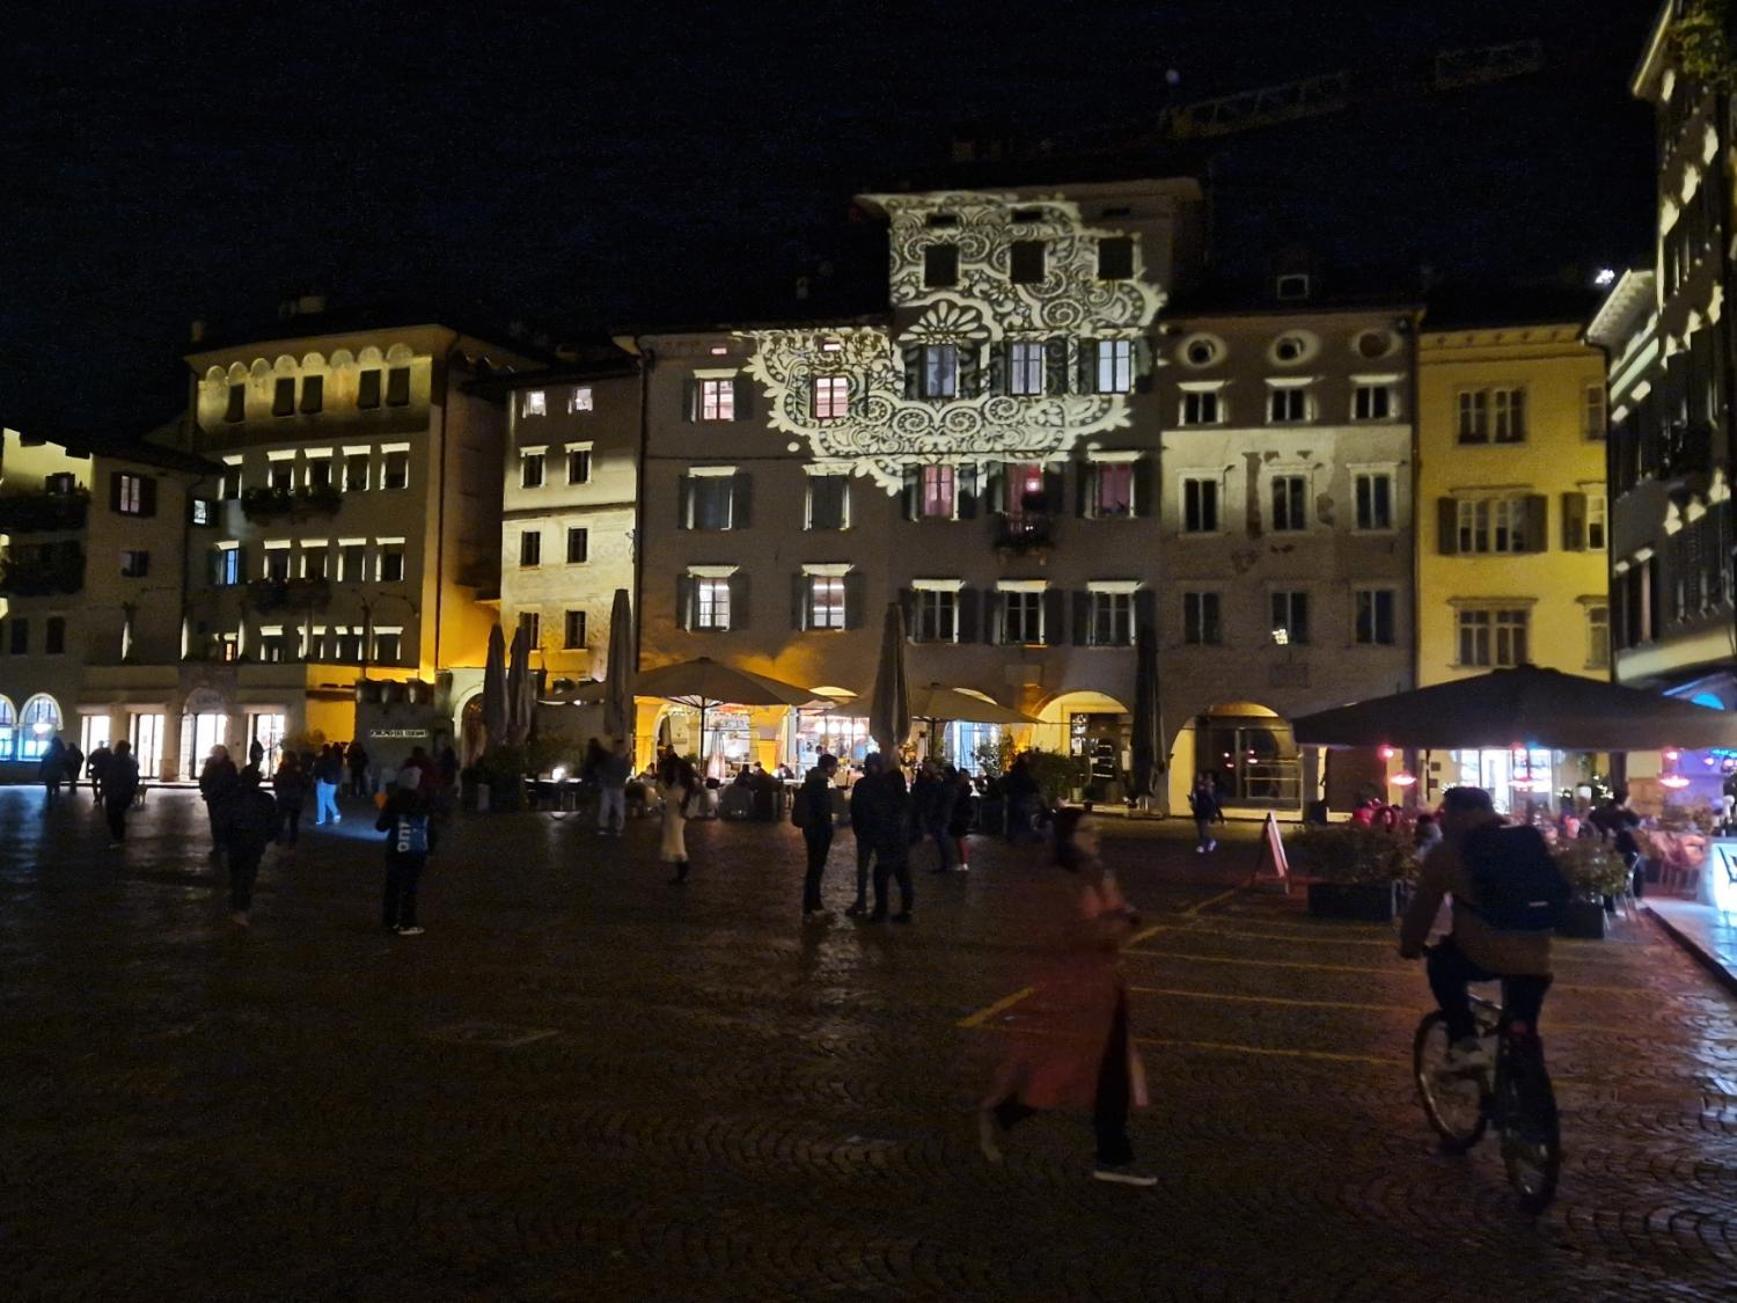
1513	524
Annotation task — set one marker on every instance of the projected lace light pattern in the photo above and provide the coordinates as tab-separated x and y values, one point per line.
884	430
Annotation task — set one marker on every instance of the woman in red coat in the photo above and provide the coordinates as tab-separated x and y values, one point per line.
1076	1050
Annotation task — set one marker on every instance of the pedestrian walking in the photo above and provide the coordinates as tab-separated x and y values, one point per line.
1024	798
677	784
96	767
289	785
886	819
960	821
1203	802
356	760
256	754
942	798
613	771
410	839
74	766
51	769
811	811
1080	1053
120	784
328	774
249	818
217	781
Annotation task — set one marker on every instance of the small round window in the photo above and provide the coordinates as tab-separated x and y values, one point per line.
1202	350
1290	348
1374	344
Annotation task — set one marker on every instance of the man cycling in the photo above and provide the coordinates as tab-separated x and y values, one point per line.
1507	894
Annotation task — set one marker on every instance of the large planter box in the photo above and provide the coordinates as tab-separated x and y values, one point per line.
1362	902
1583	920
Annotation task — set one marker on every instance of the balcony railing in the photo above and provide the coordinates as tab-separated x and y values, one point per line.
1030	531
38	513
42	572
288	594
311	500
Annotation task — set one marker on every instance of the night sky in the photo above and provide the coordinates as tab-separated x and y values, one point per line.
577	166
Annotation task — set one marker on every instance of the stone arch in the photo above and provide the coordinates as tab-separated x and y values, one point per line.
238	373
399	355
261	369
8	727
341	358
1249	749
369	356
216	375
313	362
1093	726
38	722
285	365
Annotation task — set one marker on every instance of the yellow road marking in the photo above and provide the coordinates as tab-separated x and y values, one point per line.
1223	1047
1000	1006
1148	934
1274	999
1210	902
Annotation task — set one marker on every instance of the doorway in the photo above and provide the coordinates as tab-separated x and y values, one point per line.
267	729
199	733
93	732
147	740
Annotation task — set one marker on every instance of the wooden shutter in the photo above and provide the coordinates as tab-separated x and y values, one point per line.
114	491
1055	366
994	616
1054	489
739	600
913	492
970	369
1085	370
994	488
965	478
147	495
913	356
1000	363
908	605
1145	615
1447	526
968	599
855	599
744	388
1144	370
690	399
1083	473
741	500
684	502
684	600
1537	522
799	601
1574	522
1146	487
1082	618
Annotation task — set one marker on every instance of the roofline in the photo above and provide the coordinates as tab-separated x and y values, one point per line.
731	327
1642	76
1186	313
204	355
1187	186
1617	303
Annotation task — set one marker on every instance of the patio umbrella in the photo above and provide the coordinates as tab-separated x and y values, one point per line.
1526	706
946	705
494	694
618	670
518	670
704	684
889	711
1148	740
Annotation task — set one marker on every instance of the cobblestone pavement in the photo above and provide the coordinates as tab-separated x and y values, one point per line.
583	1083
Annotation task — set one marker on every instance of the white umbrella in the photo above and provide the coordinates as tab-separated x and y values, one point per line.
704	684
890	702
618	670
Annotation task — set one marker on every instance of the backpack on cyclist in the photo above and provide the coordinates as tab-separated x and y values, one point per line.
1518	886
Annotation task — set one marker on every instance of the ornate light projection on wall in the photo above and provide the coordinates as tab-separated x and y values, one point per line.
1065	308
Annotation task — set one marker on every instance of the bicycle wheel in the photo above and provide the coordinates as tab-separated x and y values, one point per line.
1531	1132
1454	1104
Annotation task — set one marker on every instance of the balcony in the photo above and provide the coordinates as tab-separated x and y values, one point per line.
38	513
273	504
1030	531
1685	448
289	594
45	571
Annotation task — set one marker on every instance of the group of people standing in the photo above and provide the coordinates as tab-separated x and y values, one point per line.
113	774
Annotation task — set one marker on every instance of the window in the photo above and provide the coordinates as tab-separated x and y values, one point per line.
1201	623
133	495
1112	489
940	370
319	472
938	492
1115	258
281	476
353	563
1510	413
18	627
532	624
710	501
1491	524
271	647
277	562
391	560
1372	402
531	548
1288	405
826	602
534	403
1492	636
531	470
313	561
937	615
368	388
1115	366
229	488
313	394
578	546
226	566
54	636
580	399
135	563
62	482
38	722
1597	637
1374	607
202	511
283	396
236	410
573	631
1022	617
1025	362
1201	407
940	266
1374	493
1111	616
1026	494
1497	413
398	386
579	466
1199	504
1290	502
355	472
1474	416
388	646
1597	514
828	501
718	399
1593	422
395	470
712	604
1290	610
1026	262
831	398
1290	348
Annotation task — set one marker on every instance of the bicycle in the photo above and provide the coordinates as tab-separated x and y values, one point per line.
1515	1095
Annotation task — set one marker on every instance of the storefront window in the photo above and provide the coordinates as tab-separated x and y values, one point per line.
1253	762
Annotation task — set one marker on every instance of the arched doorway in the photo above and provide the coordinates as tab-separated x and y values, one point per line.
204	724
38	723
468	728
1095	729
1250	752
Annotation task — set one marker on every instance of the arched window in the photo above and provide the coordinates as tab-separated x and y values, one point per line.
37	725
8	728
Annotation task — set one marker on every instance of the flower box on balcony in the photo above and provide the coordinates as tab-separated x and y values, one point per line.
28	513
312	500
288	594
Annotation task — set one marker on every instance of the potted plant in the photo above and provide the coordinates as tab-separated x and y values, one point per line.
1354	872
1593	871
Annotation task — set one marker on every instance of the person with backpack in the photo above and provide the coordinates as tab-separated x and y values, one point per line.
120	785
811	811
410	839
1508	896
249	820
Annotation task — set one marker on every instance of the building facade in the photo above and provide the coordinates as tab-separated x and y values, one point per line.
1512	525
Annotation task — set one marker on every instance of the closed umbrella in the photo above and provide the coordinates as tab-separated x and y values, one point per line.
618	669
890	701
1148	740
1526	706
705	684
518	670
494	695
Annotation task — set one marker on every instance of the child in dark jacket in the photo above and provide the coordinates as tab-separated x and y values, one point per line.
410	837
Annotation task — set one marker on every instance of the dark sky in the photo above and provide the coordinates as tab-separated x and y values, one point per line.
575	165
